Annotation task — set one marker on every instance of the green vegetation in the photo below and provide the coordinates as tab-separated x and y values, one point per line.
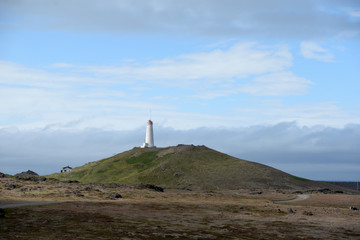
144	161
119	168
185	167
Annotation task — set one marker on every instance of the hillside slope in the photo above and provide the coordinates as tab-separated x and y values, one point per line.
185	166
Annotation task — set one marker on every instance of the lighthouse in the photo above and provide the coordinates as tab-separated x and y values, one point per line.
149	138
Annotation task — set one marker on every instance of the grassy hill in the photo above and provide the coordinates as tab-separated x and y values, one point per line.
185	166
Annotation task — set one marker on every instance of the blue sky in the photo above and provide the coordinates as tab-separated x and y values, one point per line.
83	68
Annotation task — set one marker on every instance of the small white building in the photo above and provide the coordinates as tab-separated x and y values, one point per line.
66	169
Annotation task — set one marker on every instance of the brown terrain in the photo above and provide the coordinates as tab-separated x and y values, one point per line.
76	210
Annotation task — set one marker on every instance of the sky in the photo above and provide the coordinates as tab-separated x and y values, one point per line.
275	82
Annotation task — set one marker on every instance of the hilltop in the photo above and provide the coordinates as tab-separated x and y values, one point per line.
186	167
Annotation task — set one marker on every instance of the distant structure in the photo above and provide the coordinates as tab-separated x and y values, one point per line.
66	169
149	138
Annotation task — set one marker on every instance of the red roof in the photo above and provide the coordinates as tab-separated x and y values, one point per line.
150	122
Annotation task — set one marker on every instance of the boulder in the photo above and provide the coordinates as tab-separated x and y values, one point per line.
308	213
298	192
71	181
78	193
325	190
152	187
253	193
114	196
29	175
11	186
290	210
2	175
176	175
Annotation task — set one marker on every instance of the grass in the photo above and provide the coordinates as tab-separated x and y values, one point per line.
186	167
145	158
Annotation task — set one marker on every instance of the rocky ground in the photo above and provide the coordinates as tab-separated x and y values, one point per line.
115	211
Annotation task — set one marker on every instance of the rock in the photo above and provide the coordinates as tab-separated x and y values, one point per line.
27	173
152	187
353	208
297	192
2	175
325	190
176	175
308	213
2	213
115	196
11	186
291	211
71	181
253	193
30	176
78	193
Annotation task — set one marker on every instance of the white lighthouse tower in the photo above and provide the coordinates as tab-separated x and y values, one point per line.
149	138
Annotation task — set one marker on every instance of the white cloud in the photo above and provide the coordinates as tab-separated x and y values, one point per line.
277	84
239	61
195	69
314	51
207	72
113	96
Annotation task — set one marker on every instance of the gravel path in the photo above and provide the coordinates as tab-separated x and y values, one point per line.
22	204
296	199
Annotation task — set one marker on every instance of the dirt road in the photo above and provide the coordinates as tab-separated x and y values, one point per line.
22	204
296	199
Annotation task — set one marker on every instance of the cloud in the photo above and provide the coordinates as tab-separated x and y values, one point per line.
272	84
239	61
312	152
314	51
230	18
277	84
216	73
81	96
